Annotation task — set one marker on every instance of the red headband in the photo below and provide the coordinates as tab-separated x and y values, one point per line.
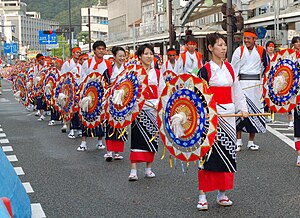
191	43
76	49
60	61
249	34
83	56
271	45
172	52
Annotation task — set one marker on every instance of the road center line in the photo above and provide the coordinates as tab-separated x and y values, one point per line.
282	137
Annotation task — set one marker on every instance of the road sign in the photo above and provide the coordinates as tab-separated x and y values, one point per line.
52	46
47	37
11	48
261	32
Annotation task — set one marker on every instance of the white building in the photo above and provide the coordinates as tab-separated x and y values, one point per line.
99	22
139	22
21	26
281	18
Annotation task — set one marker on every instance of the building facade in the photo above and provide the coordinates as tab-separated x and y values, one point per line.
99	22
281	18
21	26
139	22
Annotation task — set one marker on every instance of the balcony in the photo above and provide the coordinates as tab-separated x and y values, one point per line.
144	30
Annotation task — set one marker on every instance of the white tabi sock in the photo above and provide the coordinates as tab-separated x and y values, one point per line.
83	144
133	172
250	143
239	142
100	142
298	159
147	170
202	198
221	194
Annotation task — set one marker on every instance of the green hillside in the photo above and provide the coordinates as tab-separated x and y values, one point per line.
58	10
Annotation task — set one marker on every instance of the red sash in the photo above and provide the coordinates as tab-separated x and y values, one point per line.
222	94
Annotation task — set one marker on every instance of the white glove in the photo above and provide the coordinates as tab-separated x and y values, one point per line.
85	102
37	79
279	83
62	99
17	95
117	97
28	85
177	121
48	89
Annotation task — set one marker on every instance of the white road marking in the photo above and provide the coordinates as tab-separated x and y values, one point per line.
6	90
27	187
278	124
30	114
4	100
12	158
283	129
282	137
37	211
4	141
19	171
7	148
2	135
36	208
288	134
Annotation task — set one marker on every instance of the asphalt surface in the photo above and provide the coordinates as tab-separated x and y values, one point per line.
68	183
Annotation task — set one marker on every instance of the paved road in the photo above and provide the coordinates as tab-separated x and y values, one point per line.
68	183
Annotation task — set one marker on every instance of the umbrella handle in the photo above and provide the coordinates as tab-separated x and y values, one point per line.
225	115
149	105
240	115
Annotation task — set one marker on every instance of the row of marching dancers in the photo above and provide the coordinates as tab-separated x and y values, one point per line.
197	110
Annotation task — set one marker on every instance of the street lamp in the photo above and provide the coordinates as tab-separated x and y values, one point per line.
70	34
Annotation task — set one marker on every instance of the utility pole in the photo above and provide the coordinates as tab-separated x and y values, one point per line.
70	34
171	28
89	23
229	29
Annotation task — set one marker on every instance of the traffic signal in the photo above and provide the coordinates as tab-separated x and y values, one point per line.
237	21
174	36
47	32
188	32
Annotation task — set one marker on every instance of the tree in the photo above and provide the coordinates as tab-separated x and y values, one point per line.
63	50
83	37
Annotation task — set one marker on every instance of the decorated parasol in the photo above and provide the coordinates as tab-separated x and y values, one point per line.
187	118
20	90
126	96
49	85
281	81
64	95
92	100
169	75
38	84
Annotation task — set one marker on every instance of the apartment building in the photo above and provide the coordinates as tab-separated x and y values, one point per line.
139	22
21	26
99	22
280	17
123	15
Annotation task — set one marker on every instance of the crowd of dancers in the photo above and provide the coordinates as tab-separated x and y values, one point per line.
228	82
